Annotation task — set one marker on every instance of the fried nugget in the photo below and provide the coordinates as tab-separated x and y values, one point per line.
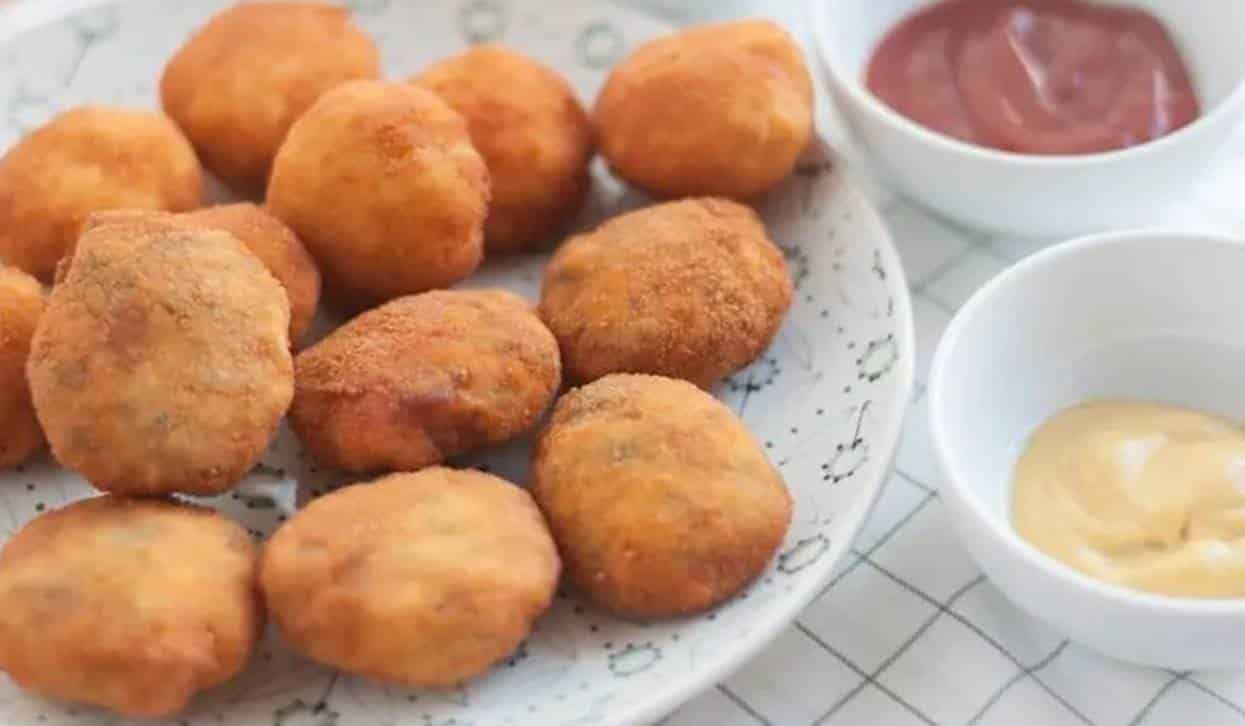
722	109
381	182
691	289
533	134
162	362
21	304
240	82
661	502
264	235
424	579
424	378
129	605
85	160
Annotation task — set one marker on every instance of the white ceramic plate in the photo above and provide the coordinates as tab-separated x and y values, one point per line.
827	400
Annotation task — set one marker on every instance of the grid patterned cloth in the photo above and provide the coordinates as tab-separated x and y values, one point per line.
909	631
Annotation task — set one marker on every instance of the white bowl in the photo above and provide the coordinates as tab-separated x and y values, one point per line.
1142	315
1030	195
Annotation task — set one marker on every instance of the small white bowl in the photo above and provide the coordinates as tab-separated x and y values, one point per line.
1155	316
1031	195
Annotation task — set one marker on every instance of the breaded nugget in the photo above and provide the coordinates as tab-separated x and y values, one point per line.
264	235
381	182
162	362
21	304
533	134
278	248
241	80
130	605
691	289
424	378
85	160
721	109
423	579
661	502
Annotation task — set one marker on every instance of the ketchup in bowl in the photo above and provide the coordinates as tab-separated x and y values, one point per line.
1036	76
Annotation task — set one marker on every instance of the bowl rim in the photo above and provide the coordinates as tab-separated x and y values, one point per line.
1220	114
953	480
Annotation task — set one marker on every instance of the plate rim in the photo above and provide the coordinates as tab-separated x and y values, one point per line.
746	649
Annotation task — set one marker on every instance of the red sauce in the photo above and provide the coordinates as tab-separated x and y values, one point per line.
1036	76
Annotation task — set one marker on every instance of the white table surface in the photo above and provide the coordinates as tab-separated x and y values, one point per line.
909	632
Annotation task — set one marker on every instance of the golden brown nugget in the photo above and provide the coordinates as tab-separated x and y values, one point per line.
534	136
89	159
661	502
162	362
691	289
424	579
264	235
240	82
382	184
424	378
278	248
130	605
721	109
21	304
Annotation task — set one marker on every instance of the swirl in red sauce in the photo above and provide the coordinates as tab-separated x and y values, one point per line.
1036	76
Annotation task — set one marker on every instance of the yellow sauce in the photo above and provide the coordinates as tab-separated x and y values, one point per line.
1141	495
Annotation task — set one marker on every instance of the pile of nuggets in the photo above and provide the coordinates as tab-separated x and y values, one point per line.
169	349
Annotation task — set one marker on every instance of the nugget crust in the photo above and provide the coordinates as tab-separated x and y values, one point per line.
382	184
278	248
240	82
85	160
130	605
264	235
21	304
162	362
422	579
534	136
691	289
424	378
661	502
721	109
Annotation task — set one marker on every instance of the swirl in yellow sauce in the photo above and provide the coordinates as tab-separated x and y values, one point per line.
1141	495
